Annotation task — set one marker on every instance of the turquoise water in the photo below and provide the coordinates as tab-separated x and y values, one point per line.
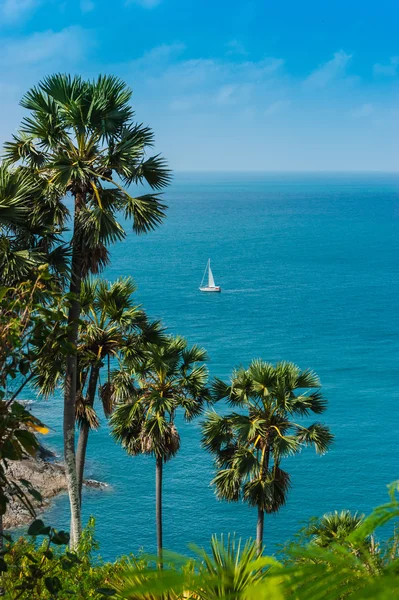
308	265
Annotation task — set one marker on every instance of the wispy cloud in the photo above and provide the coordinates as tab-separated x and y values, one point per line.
157	59
46	46
202	83
362	111
205	71
276	107
387	70
329	71
13	10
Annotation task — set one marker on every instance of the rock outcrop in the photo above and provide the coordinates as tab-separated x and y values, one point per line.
47	477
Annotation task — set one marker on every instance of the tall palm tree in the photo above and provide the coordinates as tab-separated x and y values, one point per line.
81	139
171	377
249	445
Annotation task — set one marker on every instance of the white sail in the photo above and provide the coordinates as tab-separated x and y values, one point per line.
204	276
211	281
211	287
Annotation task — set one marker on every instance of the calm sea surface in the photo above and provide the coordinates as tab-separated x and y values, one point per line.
308	266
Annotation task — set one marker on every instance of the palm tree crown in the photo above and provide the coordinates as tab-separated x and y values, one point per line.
81	138
333	528
112	327
149	393
249	445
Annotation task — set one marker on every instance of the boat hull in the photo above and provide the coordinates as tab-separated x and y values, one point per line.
217	288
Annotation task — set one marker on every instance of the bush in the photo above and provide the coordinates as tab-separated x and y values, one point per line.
39	566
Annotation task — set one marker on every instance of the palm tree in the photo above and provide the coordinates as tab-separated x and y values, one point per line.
80	139
230	571
171	377
333	528
249	447
112	328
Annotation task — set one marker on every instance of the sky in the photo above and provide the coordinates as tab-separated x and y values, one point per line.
226	85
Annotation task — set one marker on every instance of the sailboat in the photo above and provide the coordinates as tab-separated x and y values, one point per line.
211	287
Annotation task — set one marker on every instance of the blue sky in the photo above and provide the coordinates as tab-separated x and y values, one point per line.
226	85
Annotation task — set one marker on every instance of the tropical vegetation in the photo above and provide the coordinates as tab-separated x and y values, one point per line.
348	567
65	186
80	139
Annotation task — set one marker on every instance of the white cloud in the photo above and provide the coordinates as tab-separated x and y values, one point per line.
364	110
87	6
13	10
47	46
387	70
330	71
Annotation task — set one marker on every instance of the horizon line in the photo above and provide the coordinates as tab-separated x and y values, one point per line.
287	171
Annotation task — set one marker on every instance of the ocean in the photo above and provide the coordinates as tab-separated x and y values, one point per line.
308	265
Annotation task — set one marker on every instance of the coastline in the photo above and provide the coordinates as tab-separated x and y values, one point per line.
47	476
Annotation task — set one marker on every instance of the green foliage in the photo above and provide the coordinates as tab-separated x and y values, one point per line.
41	567
29	330
350	567
332	528
31	326
32	219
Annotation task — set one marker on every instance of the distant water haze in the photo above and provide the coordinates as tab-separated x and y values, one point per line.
308	266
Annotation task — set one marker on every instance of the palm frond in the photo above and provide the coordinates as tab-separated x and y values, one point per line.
86	415
317	435
153	171
227	483
308	403
147	212
217	432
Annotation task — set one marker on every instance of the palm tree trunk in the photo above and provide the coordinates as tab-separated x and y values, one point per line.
81	456
264	467
2	592
158	506
85	429
259	530
70	387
